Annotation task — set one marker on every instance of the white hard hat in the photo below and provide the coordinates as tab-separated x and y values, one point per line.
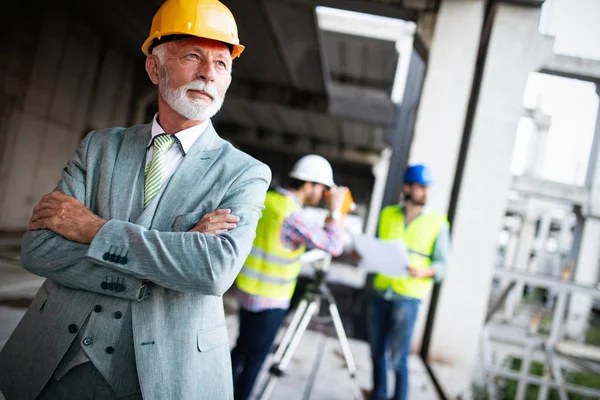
313	168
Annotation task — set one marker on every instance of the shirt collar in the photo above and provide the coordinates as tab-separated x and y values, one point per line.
289	194
184	139
424	210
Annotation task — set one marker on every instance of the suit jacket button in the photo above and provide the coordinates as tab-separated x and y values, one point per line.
123	260
118	259
104	285
110	350
111	286
73	328
105	256
112	257
87	341
98	308
118	314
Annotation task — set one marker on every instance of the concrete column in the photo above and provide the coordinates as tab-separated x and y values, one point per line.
445	97
380	171
444	101
537	148
588	258
521	264
514	225
586	273
515	49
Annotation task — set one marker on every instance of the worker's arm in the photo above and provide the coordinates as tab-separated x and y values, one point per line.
441	249
190	261
299	229
439	258
48	254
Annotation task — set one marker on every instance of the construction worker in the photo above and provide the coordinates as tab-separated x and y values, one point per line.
132	307
268	278
395	300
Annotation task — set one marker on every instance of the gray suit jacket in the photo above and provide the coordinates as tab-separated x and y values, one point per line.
179	330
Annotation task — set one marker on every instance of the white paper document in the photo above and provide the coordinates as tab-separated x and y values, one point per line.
379	256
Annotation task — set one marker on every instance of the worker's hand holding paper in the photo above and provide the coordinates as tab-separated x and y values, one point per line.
386	257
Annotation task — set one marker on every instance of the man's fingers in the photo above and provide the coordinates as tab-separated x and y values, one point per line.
225	218
39	224
218	226
45	213
213	227
214	214
221	217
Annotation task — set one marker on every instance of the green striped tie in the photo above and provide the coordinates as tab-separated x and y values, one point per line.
154	169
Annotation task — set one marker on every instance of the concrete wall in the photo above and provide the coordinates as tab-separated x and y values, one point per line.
60	81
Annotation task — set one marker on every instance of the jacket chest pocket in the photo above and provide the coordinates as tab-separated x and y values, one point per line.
212	338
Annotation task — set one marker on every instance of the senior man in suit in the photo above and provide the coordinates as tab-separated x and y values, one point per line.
137	241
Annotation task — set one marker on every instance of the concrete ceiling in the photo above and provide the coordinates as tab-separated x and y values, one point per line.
326	89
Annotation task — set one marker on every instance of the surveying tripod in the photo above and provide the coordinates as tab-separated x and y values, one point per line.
316	291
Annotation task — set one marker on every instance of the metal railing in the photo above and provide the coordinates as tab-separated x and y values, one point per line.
553	377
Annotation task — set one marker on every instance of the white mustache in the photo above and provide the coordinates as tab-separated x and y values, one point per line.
207	88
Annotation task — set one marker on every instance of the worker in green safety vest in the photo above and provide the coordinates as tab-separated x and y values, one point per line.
266	283
395	300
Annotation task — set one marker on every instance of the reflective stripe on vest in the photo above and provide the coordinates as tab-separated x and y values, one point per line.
260	253
271	269
419	236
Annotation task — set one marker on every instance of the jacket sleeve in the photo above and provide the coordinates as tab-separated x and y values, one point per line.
190	261
46	253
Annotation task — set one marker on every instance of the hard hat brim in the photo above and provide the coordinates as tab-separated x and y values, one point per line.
305	178
148	44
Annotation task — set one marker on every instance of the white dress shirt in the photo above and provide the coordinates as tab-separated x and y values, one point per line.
175	155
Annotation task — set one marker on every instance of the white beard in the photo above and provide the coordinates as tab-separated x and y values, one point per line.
192	109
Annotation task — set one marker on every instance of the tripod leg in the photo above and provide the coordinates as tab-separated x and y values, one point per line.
278	368
289	332
310	311
341	334
339	329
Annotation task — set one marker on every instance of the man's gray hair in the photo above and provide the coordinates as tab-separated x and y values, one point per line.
159	51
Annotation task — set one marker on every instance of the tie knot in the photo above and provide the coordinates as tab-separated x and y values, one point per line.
163	142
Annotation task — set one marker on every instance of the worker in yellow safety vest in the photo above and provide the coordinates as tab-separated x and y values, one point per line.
395	300
266	283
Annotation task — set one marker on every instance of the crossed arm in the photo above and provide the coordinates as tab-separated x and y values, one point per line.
66	241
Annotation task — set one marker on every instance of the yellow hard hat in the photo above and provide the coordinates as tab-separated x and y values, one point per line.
208	19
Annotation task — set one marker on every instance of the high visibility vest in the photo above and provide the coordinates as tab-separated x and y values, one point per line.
271	270
419	237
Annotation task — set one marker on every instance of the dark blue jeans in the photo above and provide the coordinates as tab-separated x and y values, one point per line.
256	335
391	327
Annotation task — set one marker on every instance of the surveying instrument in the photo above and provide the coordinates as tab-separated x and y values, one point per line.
316	292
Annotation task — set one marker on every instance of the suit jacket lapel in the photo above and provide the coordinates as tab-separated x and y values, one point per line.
132	155
137	206
189	174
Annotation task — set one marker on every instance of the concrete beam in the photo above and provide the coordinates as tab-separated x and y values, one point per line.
276	94
361	104
345	101
364	6
551	190
573	67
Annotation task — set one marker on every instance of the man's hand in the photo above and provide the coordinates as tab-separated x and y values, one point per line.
337	197
216	222
356	257
421	272
66	216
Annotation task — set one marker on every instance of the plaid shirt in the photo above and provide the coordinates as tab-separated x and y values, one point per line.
298	229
